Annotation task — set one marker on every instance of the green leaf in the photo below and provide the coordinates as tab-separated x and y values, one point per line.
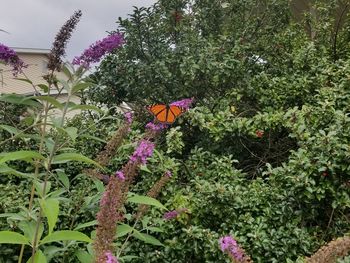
39	187
51	100
20	155
68	157
154	229
63	178
92	137
51	209
87	224
64	236
20	99
124	229
128	258
9	237
145	169
4	169
81	86
29	228
39	257
44	87
146	200
83	256
24	80
147	238
85	107
72	132
10	129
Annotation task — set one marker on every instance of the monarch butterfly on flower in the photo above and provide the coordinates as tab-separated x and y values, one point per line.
166	114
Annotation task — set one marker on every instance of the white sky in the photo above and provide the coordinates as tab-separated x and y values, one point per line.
34	23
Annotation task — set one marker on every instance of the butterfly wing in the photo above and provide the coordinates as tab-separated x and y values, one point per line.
173	113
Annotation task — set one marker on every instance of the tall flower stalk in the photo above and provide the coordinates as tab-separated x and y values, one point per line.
58	49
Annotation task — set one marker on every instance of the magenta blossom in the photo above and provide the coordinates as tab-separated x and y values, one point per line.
120	175
142	152
97	50
168	173
110	258
9	57
184	104
128	117
156	126
174	213
230	246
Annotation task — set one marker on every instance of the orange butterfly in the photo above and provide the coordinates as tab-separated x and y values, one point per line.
165	113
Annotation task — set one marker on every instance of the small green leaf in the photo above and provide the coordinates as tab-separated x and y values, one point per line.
51	209
39	257
124	229
146	200
20	155
93	137
83	256
87	224
68	157
29	228
9	237
44	87
64	236
147	238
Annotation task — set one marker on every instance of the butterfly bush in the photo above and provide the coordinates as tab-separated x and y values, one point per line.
230	246
111	258
184	104
142	152
9	57
174	213
156	127
100	48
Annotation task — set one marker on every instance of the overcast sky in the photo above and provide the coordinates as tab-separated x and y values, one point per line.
34	23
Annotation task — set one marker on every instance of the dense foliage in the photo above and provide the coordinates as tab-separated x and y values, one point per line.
263	155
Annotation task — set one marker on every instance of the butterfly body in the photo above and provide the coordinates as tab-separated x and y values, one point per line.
164	113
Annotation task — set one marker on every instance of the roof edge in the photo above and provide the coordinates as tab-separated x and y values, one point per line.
31	50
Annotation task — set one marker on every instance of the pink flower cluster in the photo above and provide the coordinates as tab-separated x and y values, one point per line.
156	126
185	103
120	175
128	117
230	246
111	258
142	152
97	50
174	213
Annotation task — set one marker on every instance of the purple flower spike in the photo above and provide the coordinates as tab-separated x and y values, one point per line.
230	246
185	103
9	57
120	175
143	151
110	258
168	173
97	50
156	127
